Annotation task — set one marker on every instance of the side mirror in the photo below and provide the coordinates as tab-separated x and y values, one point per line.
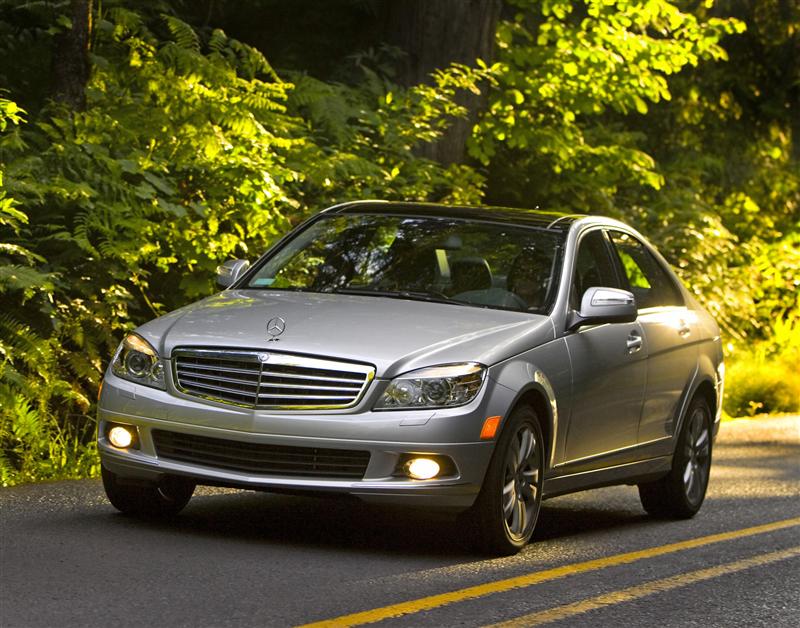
228	272
604	305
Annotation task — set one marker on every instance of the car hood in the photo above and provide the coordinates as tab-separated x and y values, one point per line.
394	335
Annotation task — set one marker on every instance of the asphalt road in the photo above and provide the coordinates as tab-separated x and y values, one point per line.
248	559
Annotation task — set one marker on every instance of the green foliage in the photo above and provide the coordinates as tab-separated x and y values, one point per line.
191	150
366	137
564	69
763	378
44	430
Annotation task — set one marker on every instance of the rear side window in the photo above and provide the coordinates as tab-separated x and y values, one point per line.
593	267
650	283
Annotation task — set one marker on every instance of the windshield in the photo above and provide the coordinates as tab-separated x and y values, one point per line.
427	258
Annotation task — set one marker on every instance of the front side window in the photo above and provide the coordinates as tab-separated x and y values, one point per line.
648	281
427	258
593	267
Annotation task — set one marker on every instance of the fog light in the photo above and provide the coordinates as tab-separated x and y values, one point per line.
421	468
121	437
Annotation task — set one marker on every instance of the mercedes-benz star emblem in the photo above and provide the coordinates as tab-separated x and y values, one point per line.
275	327
263	357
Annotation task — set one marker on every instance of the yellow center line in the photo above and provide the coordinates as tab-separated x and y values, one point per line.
498	586
642	590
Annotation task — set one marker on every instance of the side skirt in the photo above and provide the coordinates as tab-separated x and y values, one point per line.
630	473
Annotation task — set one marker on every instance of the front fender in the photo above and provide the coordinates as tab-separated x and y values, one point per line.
542	375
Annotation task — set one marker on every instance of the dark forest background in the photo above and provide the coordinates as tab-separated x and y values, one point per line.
143	143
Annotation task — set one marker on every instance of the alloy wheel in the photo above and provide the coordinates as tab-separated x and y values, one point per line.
697	456
521	483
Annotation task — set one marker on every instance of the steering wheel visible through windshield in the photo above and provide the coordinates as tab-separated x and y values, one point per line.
427	258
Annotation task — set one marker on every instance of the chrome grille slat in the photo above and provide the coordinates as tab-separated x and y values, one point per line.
220	378
287	396
283	381
225	389
303	387
224	369
325	379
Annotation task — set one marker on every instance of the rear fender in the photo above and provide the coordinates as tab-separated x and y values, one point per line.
706	380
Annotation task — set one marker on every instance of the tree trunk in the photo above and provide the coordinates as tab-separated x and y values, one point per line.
71	57
433	34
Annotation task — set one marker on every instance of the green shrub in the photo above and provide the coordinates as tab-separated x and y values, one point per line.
753	386
764	378
191	150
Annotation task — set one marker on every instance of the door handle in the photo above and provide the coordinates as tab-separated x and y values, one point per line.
634	342
683	329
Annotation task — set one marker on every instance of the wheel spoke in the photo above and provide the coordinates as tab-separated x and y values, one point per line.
508	504
518	517
697	423
702	441
687	473
514	461
526	445
702	474
531	475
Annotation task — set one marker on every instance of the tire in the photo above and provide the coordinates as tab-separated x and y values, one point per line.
680	494
507	507
165	499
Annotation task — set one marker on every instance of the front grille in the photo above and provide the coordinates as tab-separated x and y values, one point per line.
261	379
261	459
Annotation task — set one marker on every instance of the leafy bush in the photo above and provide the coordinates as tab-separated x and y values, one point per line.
191	150
44	431
757	386
764	378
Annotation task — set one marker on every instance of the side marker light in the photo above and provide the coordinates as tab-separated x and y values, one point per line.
490	426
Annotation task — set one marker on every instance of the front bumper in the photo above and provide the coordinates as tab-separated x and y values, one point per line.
385	435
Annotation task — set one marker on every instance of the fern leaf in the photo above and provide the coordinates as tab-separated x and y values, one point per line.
184	35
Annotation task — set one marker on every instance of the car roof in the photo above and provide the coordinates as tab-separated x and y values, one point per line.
558	221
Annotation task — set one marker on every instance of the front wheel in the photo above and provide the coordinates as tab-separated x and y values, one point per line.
681	493
508	505
165	499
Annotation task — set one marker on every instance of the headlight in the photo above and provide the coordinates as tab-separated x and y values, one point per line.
138	362
435	387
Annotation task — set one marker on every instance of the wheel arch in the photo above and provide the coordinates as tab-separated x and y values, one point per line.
705	389
536	397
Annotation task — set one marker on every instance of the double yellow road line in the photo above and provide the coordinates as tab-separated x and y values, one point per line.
648	588
499	586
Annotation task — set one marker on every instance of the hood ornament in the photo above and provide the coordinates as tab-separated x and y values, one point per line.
275	327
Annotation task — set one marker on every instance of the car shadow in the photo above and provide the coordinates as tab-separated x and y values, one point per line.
353	526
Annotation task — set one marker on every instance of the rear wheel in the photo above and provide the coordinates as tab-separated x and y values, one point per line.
681	493
164	499
508	505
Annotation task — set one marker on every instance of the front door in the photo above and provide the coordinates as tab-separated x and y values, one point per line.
608	364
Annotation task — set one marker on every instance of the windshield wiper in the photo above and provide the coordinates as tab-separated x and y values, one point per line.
412	295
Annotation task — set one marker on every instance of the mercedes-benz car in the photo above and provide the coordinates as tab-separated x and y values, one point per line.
471	359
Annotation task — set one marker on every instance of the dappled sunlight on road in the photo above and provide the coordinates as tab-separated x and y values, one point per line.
754	464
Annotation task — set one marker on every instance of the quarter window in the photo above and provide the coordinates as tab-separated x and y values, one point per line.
649	282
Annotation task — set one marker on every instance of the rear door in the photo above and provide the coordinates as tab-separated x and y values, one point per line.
670	330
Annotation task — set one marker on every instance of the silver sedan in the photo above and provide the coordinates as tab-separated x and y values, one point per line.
470	359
